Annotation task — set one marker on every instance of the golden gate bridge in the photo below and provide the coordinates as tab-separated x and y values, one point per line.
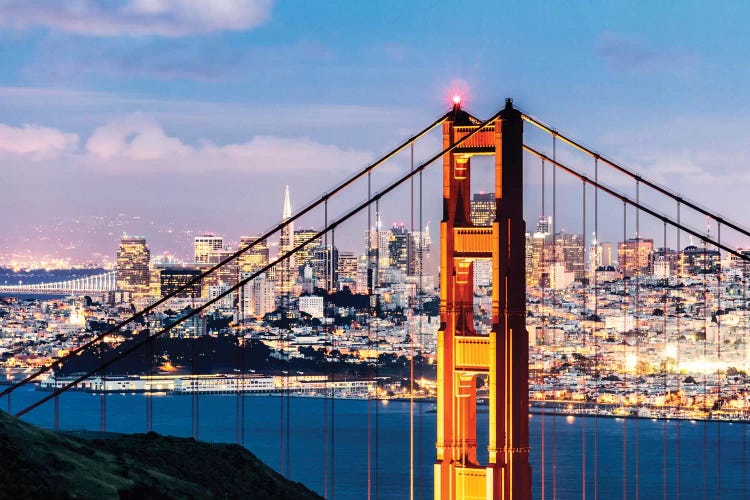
463	355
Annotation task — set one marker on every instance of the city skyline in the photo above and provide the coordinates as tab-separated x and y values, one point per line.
151	103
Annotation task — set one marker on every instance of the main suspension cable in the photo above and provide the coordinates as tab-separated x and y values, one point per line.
633	175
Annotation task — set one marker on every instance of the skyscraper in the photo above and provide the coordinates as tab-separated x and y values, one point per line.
569	250
133	258
286	271
305	255
483	209
205	245
634	255
398	248
172	278
420	251
254	259
347	269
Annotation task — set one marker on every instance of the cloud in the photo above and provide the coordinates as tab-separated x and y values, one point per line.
35	141
74	59
138	143
170	18
136	138
631	54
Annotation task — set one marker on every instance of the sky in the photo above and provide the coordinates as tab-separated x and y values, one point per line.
193	115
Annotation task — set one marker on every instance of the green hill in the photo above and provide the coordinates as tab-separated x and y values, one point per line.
37	463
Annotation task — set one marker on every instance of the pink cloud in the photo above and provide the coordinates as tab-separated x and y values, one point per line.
36	141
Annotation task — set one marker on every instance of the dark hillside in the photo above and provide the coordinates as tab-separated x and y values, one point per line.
37	463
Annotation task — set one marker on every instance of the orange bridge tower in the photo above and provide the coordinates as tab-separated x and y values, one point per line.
462	354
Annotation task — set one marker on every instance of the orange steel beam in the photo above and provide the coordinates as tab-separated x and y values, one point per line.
462	354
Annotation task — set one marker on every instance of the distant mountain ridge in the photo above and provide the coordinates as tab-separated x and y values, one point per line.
37	463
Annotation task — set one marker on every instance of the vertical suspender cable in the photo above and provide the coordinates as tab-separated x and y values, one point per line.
421	240
377	350
542	283
554	253
409	258
238	417
637	311
103	396
149	373
704	270
679	379
624	329
719	313
665	366
596	315
331	255
326	388
744	409
369	278
585	344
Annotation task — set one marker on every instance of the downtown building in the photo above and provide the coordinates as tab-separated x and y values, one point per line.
133	258
286	271
204	246
634	256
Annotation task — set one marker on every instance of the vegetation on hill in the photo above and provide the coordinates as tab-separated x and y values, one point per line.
38	463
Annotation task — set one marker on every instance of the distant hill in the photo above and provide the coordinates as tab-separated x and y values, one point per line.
37	463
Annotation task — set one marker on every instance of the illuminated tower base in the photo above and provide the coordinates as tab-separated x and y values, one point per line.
462	354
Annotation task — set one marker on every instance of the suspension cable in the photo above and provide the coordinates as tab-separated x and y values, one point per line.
640	206
633	175
198	279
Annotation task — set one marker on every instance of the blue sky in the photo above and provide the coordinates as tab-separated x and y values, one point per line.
201	111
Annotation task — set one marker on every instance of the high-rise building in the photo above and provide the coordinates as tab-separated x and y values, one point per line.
324	265
607	254
254	259
544	225
173	278
286	271
347	269
482	209
568	249
398	248
421	242
257	296
205	245
595	256
133	257
304	256
229	272
694	260
634	255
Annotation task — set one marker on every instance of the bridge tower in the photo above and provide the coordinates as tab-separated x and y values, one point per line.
462	354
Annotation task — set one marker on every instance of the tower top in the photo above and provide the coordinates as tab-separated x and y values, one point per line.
287	213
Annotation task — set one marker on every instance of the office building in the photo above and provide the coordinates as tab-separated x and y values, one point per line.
133	257
205	245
